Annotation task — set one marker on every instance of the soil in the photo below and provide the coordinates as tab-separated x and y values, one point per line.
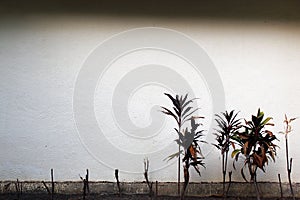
114	197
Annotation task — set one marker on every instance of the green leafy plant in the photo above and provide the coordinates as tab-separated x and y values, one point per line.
228	127
289	162
188	138
256	145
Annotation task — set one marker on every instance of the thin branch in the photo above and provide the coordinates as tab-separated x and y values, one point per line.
47	188
279	179
118	182
289	167
156	189
256	188
146	169
18	186
85	181
52	183
230	174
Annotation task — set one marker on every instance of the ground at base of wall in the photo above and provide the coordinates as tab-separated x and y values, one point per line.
117	197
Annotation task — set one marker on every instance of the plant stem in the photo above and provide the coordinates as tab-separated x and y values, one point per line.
186	178
18	186
256	188
87	181
289	166
223	160
146	169
178	171
224	168
52	183
225	172
156	189
279	179
47	188
290	180
118	182
230	173
179	160
86	189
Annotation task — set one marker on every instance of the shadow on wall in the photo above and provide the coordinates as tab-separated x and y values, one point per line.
213	9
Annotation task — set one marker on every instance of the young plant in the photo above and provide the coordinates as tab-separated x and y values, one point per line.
188	139
256	145
228	127
288	129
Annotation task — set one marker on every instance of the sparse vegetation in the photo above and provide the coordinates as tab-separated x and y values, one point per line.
289	162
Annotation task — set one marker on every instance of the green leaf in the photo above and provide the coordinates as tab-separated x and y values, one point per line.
233	154
266	121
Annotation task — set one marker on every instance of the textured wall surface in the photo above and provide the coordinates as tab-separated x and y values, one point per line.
43	46
237	189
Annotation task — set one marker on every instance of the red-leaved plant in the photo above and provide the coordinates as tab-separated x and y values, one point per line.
256	145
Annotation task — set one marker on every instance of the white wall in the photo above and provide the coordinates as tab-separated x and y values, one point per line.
41	56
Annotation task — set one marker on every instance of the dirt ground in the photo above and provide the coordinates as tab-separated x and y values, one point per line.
112	197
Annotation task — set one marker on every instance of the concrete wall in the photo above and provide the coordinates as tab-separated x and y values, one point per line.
254	46
203	189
